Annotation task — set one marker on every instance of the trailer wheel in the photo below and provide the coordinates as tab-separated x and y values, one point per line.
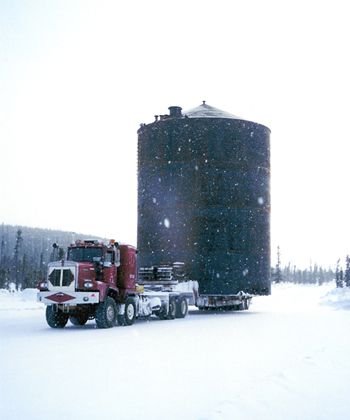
162	313
56	318
245	305
181	307
130	313
106	313
80	319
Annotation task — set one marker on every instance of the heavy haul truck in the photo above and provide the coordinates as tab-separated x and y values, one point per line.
101	282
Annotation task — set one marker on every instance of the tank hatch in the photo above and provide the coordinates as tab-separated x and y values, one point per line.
207	111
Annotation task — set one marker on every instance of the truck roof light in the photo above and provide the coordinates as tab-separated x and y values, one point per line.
113	243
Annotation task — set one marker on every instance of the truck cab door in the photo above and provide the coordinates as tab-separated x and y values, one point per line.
110	268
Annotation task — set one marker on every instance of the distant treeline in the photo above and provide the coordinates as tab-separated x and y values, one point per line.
25	252
292	274
313	275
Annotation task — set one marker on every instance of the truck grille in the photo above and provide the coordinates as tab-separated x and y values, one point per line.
61	277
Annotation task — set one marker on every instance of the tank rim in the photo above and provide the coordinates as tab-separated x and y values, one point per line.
184	118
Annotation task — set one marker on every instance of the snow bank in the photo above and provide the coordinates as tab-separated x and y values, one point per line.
292	298
338	298
19	301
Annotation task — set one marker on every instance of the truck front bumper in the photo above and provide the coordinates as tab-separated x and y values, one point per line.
68	298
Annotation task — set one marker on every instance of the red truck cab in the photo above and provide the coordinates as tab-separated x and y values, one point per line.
92	273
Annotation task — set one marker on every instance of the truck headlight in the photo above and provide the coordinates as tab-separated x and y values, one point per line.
88	284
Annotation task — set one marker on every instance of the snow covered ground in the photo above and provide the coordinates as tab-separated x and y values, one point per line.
288	358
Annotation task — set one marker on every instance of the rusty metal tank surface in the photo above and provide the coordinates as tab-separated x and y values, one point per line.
204	198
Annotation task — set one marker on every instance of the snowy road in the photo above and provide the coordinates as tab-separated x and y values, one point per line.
288	357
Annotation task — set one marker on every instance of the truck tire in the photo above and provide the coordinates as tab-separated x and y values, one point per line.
172	308
162	313
181	307
245	305
165	313
56	318
106	313
79	319
121	320
130	313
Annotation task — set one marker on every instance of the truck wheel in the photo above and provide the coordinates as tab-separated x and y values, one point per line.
56	319
79	319
162	313
130	311
121	320
106	313
245	305
181	307
172	308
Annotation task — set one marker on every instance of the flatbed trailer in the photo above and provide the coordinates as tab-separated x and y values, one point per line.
171	278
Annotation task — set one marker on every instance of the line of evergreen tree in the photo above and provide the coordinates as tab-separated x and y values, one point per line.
25	252
342	278
293	274
313	275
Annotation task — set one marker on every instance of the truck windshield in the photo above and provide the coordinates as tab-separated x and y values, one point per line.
84	254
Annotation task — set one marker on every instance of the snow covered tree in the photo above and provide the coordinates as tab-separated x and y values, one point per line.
3	277
347	271
278	272
2	268
16	259
2	250
339	275
321	277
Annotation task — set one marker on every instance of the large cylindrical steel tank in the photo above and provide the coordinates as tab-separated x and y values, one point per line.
204	198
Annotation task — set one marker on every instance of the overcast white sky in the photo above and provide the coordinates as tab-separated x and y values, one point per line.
78	77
